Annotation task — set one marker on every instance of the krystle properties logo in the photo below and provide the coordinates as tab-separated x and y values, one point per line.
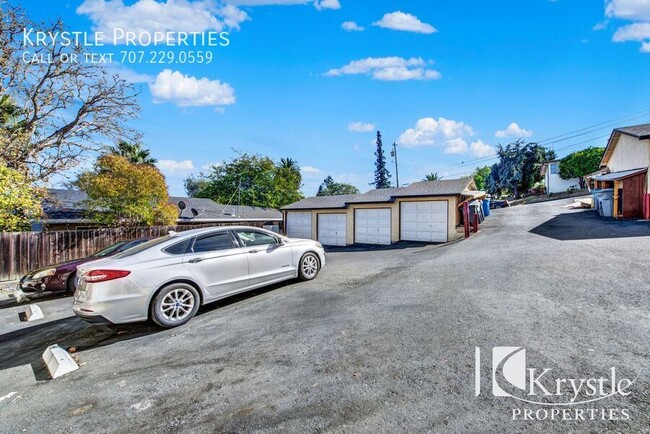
513	378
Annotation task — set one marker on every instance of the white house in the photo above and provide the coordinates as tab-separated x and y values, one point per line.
624	168
553	182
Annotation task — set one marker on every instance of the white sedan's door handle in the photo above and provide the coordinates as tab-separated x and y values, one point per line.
253	251
195	260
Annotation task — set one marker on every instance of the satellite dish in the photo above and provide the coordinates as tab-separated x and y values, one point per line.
194	212
182	205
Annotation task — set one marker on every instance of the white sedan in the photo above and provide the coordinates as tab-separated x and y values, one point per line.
168	278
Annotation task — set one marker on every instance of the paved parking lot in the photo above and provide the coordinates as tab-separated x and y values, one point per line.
382	341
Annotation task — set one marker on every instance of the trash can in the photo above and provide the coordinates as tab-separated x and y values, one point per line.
594	195
607	202
475	209
606	207
486	206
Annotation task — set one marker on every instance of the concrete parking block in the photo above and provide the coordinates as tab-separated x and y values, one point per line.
58	361
33	313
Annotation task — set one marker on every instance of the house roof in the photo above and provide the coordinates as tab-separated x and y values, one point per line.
67	206
615	176
64	206
209	210
641	132
447	187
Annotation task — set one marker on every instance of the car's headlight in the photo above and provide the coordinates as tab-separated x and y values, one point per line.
319	245
44	273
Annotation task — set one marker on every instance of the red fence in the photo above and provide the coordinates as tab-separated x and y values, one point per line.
21	252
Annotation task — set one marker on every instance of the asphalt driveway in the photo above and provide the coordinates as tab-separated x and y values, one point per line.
383	341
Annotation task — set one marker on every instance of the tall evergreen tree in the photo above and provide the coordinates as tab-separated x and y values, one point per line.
382	175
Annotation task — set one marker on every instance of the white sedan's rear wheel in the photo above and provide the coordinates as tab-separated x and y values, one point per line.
175	305
309	266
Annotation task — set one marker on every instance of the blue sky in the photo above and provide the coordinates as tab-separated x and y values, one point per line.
446	80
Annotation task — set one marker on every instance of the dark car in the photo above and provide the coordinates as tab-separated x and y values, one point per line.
499	203
62	277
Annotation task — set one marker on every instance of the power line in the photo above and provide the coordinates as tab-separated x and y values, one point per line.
560	138
573	145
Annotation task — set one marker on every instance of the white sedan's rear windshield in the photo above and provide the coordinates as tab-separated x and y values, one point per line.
142	247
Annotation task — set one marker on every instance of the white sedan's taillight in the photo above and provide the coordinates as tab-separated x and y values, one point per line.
96	276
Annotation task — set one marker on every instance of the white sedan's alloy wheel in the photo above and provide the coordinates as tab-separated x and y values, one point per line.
309	266
175	304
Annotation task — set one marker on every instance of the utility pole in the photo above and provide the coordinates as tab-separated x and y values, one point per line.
393	154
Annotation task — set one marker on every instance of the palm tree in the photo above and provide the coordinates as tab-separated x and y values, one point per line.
134	152
289	163
433	176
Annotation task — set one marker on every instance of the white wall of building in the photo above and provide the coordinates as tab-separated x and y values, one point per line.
630	153
555	184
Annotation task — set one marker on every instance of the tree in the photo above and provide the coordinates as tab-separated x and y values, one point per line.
134	152
481	175
252	180
287	182
433	176
382	175
331	188
19	201
289	163
67	109
122	193
518	169
581	163
195	184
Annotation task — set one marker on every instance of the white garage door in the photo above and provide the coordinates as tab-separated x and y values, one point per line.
424	221
299	224
331	229
372	226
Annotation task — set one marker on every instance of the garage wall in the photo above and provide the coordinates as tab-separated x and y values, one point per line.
630	153
452	219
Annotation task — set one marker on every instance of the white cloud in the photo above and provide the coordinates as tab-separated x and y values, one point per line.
310	169
186	91
149	16
268	2
637	11
430	132
175	168
600	26
634	10
311	172
388	69
361	127
455	146
318	4
208	167
632	32
327	4
351	26
480	149
405	22
513	130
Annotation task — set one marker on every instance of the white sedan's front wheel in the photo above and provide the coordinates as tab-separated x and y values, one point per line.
175	305
309	266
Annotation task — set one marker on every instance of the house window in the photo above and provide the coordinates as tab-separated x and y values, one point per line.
555	169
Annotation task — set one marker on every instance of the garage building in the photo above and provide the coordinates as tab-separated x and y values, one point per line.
624	168
425	211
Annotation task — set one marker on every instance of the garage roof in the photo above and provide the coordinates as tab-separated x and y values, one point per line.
615	176
446	187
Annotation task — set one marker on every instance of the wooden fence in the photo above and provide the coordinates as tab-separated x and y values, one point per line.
21	252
